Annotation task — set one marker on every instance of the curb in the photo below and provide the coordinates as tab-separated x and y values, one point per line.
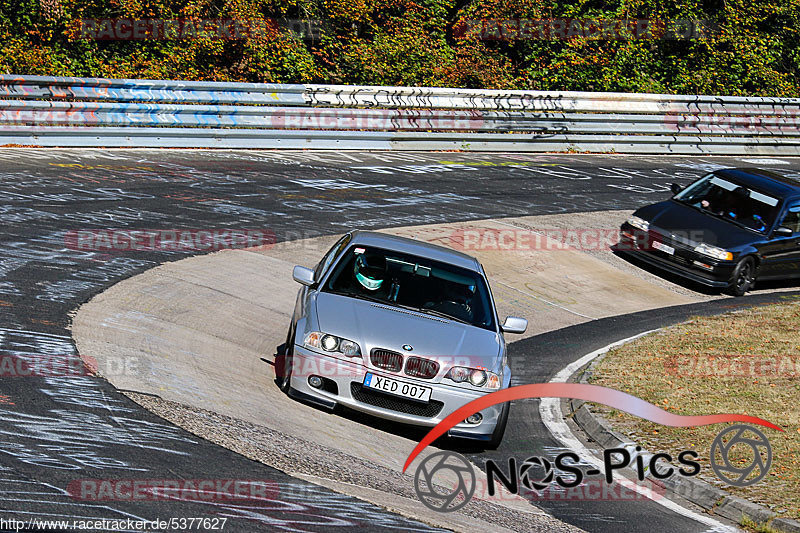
714	500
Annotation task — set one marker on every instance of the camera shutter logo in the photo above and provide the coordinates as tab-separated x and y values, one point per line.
544	481
740	436
440	497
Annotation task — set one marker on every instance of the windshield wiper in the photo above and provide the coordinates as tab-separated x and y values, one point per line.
360	296
443	315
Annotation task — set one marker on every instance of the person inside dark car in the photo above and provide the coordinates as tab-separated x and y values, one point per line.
731	204
737	204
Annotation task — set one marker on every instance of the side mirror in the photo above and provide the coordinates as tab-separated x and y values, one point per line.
783	231
514	324
303	275
675	188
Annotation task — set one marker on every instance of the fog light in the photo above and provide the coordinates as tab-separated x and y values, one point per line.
702	265
315	381
477	418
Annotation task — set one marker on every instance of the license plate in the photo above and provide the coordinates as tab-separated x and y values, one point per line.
397	387
664	248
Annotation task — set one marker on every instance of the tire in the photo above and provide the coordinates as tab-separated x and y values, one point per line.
744	277
283	369
500	428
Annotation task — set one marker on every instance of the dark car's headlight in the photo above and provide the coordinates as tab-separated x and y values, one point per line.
331	343
713	251
639	223
477	377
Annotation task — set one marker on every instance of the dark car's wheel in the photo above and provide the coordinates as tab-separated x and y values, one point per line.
744	276
500	428
283	364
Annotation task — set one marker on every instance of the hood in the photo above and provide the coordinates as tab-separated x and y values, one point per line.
691	226
374	325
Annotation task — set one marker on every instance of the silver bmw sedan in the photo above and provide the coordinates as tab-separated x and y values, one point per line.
401	329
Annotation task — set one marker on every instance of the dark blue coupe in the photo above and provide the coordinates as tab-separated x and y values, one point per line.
725	230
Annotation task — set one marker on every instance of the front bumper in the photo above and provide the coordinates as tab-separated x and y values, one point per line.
343	381
685	262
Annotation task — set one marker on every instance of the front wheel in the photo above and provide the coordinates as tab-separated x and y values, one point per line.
500	428
744	276
283	365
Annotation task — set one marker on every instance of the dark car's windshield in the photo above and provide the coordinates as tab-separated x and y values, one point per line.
413	282
731	201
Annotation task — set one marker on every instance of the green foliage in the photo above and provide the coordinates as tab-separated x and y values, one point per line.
754	49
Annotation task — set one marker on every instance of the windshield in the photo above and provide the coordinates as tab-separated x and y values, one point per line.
731	201
412	282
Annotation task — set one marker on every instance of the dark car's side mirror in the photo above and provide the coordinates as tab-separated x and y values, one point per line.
303	275
675	188
783	231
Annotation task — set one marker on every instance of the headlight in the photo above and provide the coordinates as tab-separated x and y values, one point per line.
639	223
713	251
331	343
477	377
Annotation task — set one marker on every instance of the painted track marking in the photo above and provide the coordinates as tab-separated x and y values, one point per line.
553	419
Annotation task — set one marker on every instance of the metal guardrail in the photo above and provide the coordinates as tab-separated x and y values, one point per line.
90	112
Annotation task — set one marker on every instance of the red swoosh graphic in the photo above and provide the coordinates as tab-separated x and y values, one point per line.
579	391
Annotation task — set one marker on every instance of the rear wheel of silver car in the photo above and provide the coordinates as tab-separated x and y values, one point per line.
283	364
500	428
744	276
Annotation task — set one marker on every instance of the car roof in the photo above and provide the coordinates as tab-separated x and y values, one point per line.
763	180
414	247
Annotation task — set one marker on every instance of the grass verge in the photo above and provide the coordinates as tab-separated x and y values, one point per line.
743	362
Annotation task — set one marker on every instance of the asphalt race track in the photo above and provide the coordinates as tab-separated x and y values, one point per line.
56	429
527	436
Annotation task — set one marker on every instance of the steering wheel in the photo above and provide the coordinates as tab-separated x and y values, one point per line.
460	310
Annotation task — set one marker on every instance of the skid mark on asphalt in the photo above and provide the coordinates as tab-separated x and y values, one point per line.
43	279
18	495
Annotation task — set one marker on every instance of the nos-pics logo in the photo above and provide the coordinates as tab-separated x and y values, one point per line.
446	481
